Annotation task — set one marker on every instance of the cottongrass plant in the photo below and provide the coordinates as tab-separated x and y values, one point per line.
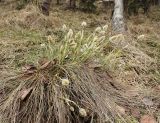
75	47
67	83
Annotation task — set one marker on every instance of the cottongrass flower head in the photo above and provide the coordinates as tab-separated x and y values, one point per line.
95	38
64	27
98	29
116	37
83	24
49	38
71	108
105	27
141	37
102	32
82	50
43	45
82	112
86	45
65	82
70	33
73	44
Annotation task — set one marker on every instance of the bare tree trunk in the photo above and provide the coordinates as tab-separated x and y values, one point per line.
118	25
46	7
71	4
58	2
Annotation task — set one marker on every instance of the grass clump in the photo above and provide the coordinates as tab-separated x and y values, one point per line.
66	81
60	88
73	47
76	76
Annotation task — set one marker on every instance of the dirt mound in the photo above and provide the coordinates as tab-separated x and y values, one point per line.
30	17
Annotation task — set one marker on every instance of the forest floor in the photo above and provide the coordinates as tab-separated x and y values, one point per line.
133	67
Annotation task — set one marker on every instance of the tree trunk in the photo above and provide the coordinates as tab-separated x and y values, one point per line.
58	2
71	4
118	25
46	7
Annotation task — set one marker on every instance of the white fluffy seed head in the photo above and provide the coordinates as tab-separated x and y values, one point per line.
65	82
64	27
70	33
105	27
42	45
83	24
81	50
98	29
49	38
117	37
71	108
82	112
141	37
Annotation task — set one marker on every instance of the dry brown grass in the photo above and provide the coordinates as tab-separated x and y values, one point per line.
133	65
50	101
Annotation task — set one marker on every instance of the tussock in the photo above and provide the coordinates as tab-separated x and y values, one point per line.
30	18
72	86
38	96
70	79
